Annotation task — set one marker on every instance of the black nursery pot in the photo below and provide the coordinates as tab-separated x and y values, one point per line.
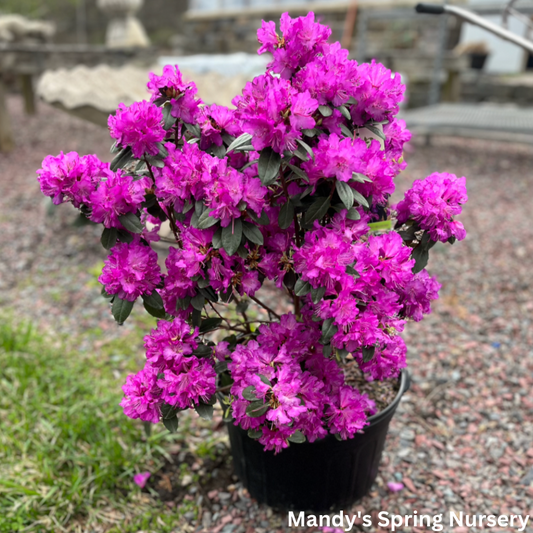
322	476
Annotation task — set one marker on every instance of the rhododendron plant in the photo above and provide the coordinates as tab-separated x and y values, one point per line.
290	188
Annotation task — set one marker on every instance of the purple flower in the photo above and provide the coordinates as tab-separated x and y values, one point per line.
116	196
130	270
432	203
169	343
347	415
138	126
70	177
274	113
214	121
395	487
142	396
141	479
180	93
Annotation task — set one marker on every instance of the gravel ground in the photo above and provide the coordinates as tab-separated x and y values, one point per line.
462	439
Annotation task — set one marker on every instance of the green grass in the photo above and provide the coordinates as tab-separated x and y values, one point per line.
67	452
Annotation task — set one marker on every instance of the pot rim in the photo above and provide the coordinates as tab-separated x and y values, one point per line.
405	384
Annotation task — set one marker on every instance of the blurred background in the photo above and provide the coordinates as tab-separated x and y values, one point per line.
462	436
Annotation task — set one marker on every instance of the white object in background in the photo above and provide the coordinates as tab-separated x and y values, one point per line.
124	29
229	65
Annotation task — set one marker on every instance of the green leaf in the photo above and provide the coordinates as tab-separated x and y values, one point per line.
154	300
243	139
257	409
203	283
368	353
193	129
203	350
346	131
263	219
299	172
345	193
375	131
196	318
221	366
104	293
297	437
318	294
382	225
351	270
168	411
210	324
121	159
306	147
206	221
421	256
218	151
361	178
168	119
328	330
310	132
325	110
124	236
121	309
163	152
198	302
231	236
359	198
345	113
301	288
286	215
154	311
154	161
115	148
171	424
217	239
265	380
249	394
353	214
317	209
109	238
183	303
131	222
290	279
268	167
327	350
253	434
209	293
252	233
204	410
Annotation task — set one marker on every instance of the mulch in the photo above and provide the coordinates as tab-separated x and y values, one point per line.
462	438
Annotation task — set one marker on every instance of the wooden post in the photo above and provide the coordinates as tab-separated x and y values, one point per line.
6	135
26	83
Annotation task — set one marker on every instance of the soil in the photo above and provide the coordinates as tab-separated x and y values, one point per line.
382	392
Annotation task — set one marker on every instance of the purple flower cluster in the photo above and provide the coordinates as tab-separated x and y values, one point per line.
173	375
118	195
181	94
274	113
432	203
70	177
291	187
130	271
138	126
292	387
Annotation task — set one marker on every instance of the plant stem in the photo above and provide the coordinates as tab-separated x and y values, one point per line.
264	306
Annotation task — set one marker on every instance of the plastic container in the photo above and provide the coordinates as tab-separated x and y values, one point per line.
326	475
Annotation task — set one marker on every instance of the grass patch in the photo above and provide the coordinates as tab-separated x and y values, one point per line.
67	452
